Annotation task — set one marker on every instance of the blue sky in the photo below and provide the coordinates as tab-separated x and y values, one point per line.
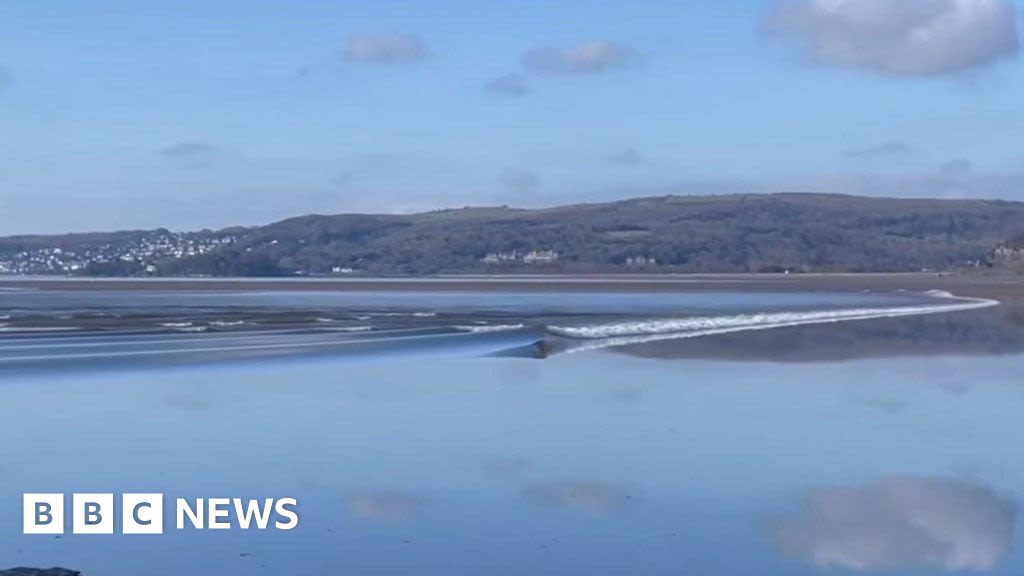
205	114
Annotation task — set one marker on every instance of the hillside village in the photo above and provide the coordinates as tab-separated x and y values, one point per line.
133	255
1010	254
515	257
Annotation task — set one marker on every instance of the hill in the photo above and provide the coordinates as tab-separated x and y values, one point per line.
735	233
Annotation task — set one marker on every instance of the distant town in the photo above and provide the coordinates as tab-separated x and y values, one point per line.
142	253
515	257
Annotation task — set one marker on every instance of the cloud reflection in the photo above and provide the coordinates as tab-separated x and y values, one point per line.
392	506
512	468
590	497
900	524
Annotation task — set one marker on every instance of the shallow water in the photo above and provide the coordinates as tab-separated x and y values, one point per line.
633	460
45	331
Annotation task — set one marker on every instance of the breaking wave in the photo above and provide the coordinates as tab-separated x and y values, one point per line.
616	334
363	328
8	328
28	345
482	329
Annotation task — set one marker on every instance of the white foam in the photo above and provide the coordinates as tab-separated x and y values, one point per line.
641	332
477	329
176	324
369	315
226	323
6	328
349	329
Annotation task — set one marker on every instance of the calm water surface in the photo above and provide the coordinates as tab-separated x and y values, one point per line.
615	461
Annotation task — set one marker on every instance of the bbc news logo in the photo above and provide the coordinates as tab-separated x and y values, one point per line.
144	514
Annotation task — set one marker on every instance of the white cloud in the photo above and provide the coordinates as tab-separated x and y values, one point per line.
589	57
385	48
520	181
958	168
900	524
193	154
627	157
510	85
904	38
954	179
894	149
343	179
187	149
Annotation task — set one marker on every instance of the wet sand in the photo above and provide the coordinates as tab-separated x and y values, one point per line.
998	287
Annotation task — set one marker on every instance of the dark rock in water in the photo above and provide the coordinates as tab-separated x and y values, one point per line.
39	572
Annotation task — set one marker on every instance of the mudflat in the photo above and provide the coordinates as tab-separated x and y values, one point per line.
1003	286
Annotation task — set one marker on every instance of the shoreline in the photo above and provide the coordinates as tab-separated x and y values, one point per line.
960	285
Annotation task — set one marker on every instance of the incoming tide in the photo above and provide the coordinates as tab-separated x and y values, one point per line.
524	432
45	330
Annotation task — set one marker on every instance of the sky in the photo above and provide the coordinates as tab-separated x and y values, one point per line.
192	114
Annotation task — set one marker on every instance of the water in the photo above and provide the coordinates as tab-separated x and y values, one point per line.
51	330
762	450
